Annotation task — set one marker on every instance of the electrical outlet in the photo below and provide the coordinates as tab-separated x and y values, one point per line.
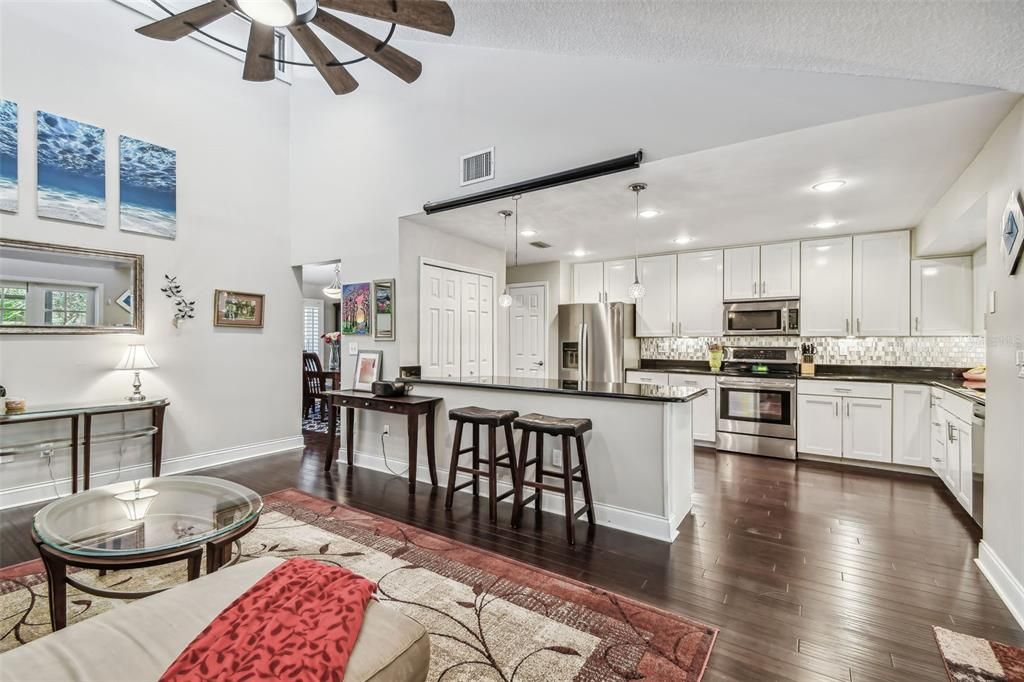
353	348
1020	364
387	429
556	460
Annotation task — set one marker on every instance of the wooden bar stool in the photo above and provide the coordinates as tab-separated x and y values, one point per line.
492	419
568	429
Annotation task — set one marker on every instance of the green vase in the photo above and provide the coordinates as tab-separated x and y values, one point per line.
715	360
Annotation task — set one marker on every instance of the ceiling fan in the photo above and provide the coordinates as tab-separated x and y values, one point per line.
298	16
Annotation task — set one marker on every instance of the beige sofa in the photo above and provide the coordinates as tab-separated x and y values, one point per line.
137	642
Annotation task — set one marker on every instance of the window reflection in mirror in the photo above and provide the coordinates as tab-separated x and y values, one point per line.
46	288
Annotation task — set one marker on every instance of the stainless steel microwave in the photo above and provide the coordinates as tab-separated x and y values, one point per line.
763	318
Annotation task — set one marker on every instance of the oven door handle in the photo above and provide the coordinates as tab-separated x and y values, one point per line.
756	383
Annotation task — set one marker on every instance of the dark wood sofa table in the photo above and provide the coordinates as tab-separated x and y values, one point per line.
412	406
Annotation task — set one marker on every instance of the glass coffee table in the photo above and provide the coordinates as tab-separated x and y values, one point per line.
136	524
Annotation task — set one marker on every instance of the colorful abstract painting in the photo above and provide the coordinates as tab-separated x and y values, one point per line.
8	156
355	308
71	172
148	183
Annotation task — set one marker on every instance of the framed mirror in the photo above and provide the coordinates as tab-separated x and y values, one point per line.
384	310
52	289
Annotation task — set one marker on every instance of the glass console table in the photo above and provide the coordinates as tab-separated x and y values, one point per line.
82	414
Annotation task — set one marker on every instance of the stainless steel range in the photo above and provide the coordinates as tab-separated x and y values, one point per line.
757	401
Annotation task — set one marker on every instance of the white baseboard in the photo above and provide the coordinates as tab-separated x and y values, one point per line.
1002	580
40	492
640	523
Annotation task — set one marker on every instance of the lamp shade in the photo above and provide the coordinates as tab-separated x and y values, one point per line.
136	357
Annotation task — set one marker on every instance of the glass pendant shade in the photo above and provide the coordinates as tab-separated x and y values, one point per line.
636	290
505	301
268	12
136	503
333	290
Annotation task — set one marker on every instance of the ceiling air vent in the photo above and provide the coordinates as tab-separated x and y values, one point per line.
478	166
540	245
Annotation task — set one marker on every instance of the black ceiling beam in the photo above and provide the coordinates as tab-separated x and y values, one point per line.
593	170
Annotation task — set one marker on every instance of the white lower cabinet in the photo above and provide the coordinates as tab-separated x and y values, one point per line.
705	424
848	426
819	425
911	425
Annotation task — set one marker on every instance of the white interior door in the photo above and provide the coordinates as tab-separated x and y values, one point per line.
439	322
486	326
527	331
469	351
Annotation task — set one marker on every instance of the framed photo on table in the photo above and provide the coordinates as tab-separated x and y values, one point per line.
237	309
368	366
1011	232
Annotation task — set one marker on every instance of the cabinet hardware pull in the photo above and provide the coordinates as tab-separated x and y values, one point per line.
858	325
762	287
755	288
847	409
842	390
847	325
837	409
917	324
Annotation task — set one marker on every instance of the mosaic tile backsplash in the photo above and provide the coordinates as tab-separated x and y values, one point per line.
903	351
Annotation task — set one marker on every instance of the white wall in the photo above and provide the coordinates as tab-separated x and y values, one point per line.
998	169
233	392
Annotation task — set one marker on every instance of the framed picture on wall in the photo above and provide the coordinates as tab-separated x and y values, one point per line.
356	309
368	367
237	309
1011	236
384	310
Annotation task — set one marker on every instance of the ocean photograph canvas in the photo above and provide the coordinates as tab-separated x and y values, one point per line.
148	188
8	156
72	176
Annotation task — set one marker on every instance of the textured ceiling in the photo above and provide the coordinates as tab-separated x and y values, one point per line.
896	165
954	41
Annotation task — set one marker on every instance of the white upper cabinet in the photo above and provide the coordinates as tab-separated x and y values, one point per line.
769	271
941	300
618	275
587	282
881	284
826	301
780	270
656	311
742	273
699	297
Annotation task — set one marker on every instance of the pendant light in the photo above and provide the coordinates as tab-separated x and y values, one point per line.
505	300
333	290
636	289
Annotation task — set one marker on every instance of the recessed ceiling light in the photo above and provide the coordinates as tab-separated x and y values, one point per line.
828	185
682	240
528	232
580	253
649	213
826	224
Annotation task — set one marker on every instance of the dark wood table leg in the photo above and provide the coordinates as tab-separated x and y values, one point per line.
332	435
158	439
86	449
74	453
413	421
56	583
217	554
350	435
431	462
194	562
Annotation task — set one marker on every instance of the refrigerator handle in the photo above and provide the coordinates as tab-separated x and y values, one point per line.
584	352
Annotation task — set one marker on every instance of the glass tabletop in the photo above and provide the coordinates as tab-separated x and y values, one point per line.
145	516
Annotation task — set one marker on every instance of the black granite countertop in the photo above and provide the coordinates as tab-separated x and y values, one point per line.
664	394
948	378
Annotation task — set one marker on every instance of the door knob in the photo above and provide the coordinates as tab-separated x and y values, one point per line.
539	363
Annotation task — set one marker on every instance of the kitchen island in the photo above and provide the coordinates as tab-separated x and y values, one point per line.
640	451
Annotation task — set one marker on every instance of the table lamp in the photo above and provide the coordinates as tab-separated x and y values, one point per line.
136	358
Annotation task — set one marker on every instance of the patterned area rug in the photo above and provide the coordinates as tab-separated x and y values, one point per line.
314	423
972	659
489	618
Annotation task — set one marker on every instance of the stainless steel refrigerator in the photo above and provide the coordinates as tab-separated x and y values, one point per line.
597	341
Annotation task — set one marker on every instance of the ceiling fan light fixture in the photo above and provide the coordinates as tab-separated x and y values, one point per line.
275	13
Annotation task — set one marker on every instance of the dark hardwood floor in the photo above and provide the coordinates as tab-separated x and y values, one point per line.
812	571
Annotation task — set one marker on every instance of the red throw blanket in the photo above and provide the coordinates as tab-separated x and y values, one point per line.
299	622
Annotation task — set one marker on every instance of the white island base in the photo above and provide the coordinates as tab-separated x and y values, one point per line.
640	451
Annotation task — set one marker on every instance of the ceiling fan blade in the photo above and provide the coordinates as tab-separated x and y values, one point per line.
180	25
337	76
392	59
259	62
426	15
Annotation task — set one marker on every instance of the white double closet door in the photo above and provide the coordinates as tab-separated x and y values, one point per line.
456	323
